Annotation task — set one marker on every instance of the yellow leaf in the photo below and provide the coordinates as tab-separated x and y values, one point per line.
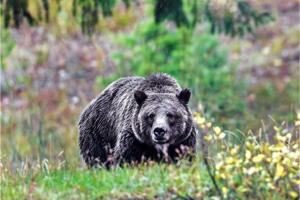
250	171
234	150
230	160
271	186
297	182
219	165
279	171
248	154
276	157
295	146
224	190
222	136
293	194
208	138
217	130
200	120
276	129
223	176
208	124
280	138
258	158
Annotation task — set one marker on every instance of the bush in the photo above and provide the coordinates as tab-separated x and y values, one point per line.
265	166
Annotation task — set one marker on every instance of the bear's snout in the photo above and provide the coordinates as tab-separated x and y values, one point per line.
160	129
160	135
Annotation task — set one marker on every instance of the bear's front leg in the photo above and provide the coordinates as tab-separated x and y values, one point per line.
126	150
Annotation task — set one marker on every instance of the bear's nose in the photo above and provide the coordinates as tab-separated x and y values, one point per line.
159	133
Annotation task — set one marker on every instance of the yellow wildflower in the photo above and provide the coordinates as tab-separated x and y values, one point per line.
281	138
295	164
297	122
249	171
295	146
221	136
297	182
277	147
219	165
286	161
248	154
277	129
271	186
230	160
294	155
234	150
276	157
217	130
208	138
200	120
223	176
279	171
249	145
208	124
288	135
258	158
224	190
293	194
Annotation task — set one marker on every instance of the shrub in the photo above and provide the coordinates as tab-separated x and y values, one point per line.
263	166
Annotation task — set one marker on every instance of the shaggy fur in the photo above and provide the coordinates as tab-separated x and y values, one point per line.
118	125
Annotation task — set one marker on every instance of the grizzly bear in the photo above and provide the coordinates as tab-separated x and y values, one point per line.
137	119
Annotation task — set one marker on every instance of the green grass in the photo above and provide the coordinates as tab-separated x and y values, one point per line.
145	181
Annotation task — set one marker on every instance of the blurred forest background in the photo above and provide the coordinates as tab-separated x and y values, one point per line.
240	58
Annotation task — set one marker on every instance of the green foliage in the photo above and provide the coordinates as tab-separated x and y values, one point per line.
7	45
196	61
234	17
18	10
182	12
90	12
170	10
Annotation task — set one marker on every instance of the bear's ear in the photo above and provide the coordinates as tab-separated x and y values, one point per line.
140	97
184	96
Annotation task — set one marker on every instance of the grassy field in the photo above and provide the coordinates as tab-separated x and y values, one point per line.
146	182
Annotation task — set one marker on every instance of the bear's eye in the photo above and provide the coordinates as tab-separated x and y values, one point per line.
171	117
150	117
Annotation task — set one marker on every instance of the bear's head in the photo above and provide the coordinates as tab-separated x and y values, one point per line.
162	118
